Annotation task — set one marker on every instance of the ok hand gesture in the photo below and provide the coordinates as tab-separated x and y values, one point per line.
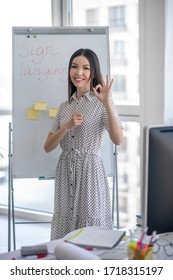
104	90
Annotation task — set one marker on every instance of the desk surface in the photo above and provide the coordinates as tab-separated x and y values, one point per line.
119	252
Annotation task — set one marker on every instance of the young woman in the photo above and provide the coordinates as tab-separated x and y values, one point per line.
82	195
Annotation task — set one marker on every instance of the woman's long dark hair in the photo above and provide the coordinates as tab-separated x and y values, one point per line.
94	68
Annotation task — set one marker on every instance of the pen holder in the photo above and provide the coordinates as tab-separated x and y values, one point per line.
137	252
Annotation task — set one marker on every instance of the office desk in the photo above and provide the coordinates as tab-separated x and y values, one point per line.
119	252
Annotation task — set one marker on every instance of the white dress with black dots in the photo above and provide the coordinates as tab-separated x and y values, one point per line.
82	195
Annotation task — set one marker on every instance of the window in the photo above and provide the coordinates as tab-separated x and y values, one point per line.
120	83
92	17
117	17
119	52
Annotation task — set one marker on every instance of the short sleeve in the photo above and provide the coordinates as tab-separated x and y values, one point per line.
56	123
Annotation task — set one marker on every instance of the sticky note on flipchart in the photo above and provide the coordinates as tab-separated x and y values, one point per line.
53	112
41	106
31	114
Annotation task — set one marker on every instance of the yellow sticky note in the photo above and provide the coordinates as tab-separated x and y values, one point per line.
53	112
40	106
31	114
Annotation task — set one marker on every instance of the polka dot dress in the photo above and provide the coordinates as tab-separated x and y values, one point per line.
82	195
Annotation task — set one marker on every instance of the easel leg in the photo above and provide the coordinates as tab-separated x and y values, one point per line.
10	195
115	189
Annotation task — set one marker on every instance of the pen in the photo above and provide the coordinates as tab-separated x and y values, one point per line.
140	242
153	235
143	234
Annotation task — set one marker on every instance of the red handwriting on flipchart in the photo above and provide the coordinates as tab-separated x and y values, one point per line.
41	62
38	52
44	73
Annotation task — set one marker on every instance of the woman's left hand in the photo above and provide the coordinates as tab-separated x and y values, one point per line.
104	90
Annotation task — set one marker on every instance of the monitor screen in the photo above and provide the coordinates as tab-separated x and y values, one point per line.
157	212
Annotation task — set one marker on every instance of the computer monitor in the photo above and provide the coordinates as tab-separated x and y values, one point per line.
157	195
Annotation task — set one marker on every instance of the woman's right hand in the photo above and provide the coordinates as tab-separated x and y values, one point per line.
76	120
53	139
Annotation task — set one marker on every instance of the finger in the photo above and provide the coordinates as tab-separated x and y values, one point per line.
78	114
102	80
95	92
98	86
107	79
111	83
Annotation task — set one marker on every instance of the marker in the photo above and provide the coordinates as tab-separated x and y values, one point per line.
140	242
46	177
31	257
41	178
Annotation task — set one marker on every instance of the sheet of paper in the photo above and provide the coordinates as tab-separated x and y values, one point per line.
42	106
31	114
